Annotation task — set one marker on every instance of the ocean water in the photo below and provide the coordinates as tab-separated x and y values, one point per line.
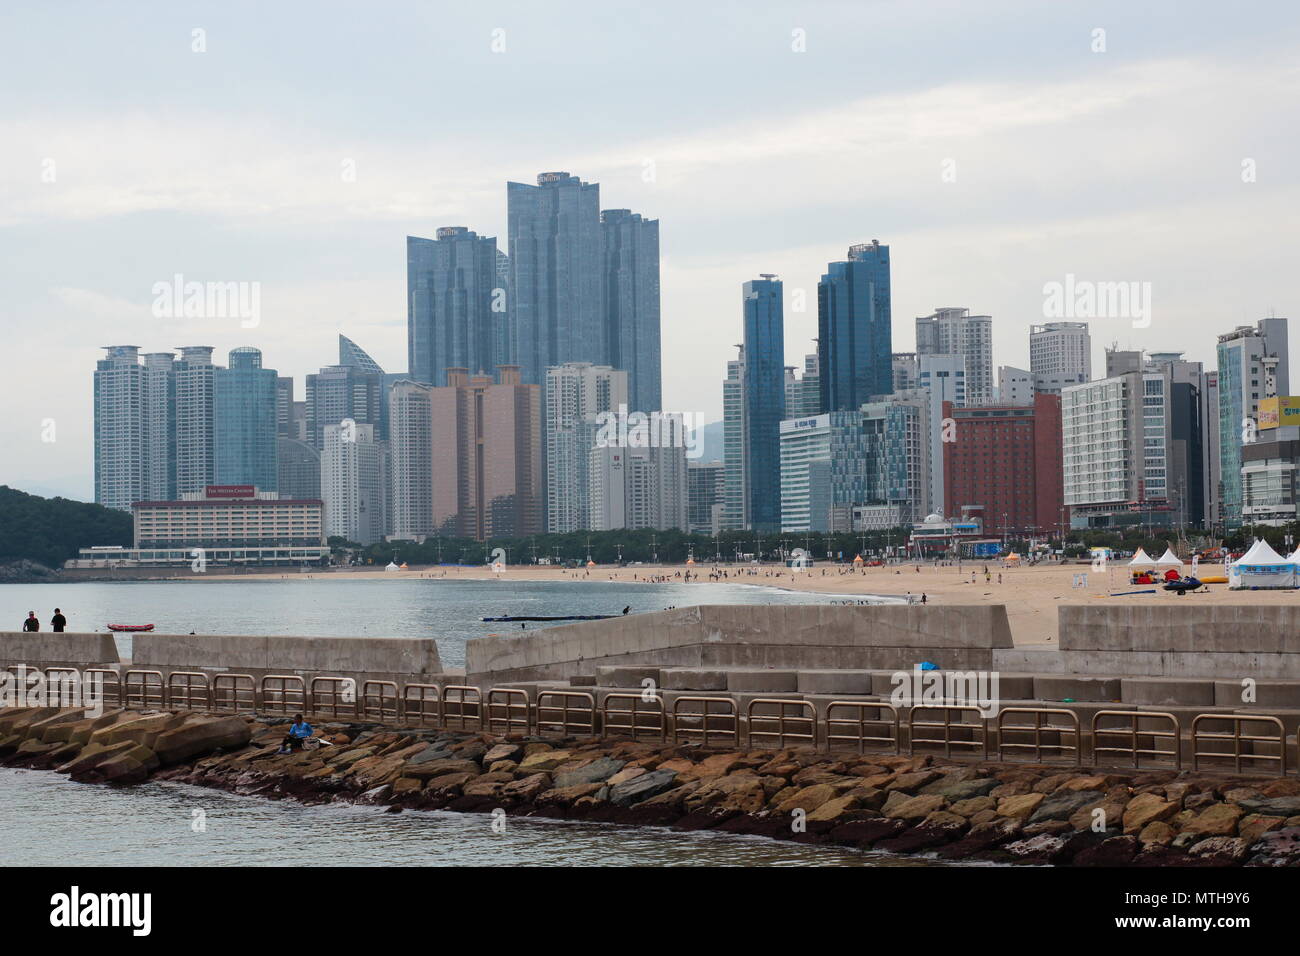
46	819
447	609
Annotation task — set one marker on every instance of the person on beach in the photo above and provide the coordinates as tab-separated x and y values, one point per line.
31	624
58	622
299	731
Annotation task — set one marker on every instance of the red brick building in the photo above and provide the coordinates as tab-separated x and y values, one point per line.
1008	459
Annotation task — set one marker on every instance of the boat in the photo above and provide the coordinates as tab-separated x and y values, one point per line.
130	627
567	617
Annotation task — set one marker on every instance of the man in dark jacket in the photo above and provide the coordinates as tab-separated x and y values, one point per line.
31	624
58	622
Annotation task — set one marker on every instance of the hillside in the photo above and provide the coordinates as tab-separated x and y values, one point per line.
50	530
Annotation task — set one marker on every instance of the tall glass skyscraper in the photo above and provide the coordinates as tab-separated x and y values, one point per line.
195	419
245	395
555	273
120	433
630	288
1241	384
455	318
764	397
853	328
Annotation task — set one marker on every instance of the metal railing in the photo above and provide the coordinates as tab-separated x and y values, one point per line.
1236	738
422	703
332	697
284	694
959	733
653	718
110	684
234	693
507	708
800	726
189	689
1073	752
461	704
557	711
380	700
723	722
1137	736
143	688
860	724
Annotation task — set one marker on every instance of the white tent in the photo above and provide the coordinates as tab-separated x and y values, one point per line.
1140	559
392	566
1261	567
1295	557
1169	559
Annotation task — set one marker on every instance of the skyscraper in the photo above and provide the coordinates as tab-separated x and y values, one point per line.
1060	354
245	421
120	428
456	308
641	487
160	426
957	332
576	393
339	392
855	339
1241	384
353	479
196	463
555	273
764	398
410	425
630	303
706	490
735	499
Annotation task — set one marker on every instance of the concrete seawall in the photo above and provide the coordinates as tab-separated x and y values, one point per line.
752	636
45	649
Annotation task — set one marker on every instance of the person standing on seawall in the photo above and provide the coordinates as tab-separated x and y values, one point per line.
58	622
31	624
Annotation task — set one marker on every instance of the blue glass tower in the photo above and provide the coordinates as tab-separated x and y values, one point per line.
244	422
630	290
855	341
455	316
764	399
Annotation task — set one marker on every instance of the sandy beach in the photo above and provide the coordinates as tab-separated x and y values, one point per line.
1031	594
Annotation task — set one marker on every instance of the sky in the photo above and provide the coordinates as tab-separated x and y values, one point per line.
995	147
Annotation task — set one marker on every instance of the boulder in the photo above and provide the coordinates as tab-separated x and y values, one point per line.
597	771
201	736
1222	850
1253	826
506	751
526	789
954	790
1157	833
1063	804
807	799
642	788
1020	807
916	808
1144	808
1113	851
542	761
1218	820
1277	848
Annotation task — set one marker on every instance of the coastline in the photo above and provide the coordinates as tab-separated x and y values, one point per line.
953	810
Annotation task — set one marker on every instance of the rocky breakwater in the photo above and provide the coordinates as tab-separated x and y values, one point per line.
1010	813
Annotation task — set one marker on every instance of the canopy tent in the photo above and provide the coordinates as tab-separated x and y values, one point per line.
1141	558
1169	560
1261	567
1295	556
391	566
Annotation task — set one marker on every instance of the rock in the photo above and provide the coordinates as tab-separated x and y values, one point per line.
1223	850
981	837
93	755
869	798
542	761
526	789
1199	801
1113	851
141	730
1278	848
643	787
1044	848
808	799
597	771
1144	808
1021	806
1216	821
567	796
834	809
865	833
1046	826
1272	806
407	785
437	768
954	790
916	808
431	752
123	768
1156	833
626	774
718	765
502	766
973	805
448	784
1253	826
200	736
912	782
1086	817
505	751
1063	804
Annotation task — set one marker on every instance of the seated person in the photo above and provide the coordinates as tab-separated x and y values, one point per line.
299	731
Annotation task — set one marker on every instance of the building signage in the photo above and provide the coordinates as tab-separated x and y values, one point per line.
1279	410
229	491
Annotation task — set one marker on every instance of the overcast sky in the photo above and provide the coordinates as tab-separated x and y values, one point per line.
995	146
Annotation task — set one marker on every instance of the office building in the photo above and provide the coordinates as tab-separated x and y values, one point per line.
764	399
339	393
456	309
630	303
298	467
244	433
854	334
1241	384
579	396
1270	464
705	491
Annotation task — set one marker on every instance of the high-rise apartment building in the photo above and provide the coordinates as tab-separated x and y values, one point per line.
353	482
642	486
487	470
940	378
456	306
555	273
410	428
298	467
196	462
338	393
854	332
579	396
957	332
803	392
1015	386
1060	354
245	421
630	303
1241	384
120	403
735	455
160	425
764	398
705	493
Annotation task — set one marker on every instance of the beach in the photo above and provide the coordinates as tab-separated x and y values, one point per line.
1031	593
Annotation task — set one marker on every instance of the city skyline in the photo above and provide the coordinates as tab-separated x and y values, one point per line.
1029	202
